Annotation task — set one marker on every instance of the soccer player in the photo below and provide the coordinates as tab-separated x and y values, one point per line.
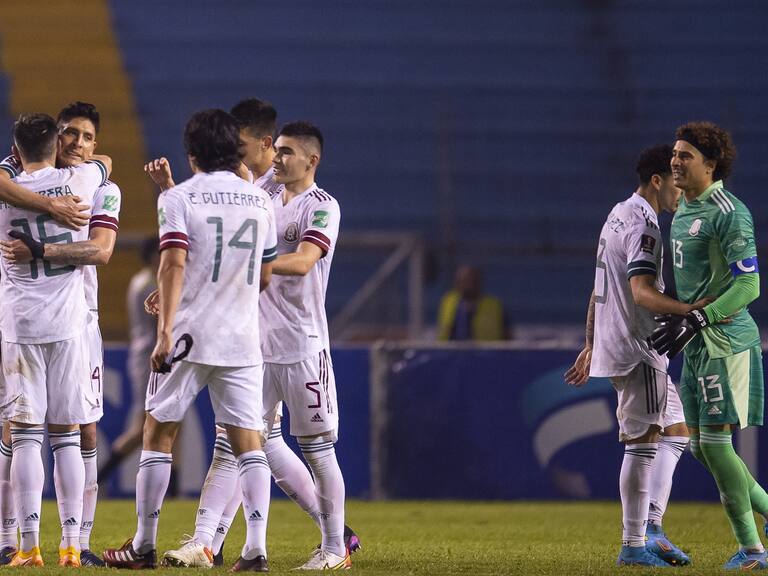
44	344
298	367
78	125
714	255
217	242
219	499
628	290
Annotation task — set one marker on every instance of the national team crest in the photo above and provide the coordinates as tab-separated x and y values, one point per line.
695	227
291	233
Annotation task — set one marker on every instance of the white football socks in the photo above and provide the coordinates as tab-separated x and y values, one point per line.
10	526
90	496
329	490
634	486
27	480
255	484
220	484
69	479
667	457
151	485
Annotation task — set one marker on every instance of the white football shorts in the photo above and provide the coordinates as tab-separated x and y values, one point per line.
45	383
235	393
646	397
96	364
308	389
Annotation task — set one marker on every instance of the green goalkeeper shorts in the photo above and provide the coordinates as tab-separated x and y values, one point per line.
716	391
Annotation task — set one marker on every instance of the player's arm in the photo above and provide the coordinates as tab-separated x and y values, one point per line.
105	160
66	210
96	251
170	280
298	263
645	294
266	275
578	374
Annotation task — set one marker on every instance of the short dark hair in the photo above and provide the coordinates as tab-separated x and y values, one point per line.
79	109
259	117
654	160
212	138
302	129
713	142
35	135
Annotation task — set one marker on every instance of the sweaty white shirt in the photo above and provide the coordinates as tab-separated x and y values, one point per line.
44	302
630	244
293	316
227	227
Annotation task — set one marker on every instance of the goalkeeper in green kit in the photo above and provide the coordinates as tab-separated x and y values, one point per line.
714	255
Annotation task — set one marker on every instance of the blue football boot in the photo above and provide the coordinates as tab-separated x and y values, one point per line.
639	556
658	544
743	560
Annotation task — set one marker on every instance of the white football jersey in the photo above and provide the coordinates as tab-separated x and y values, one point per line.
44	302
105	213
267	183
227	227
293	307
630	244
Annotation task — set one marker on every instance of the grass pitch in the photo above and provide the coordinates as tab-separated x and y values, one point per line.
437	538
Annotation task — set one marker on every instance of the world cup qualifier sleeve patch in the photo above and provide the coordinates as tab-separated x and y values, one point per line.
320	219
647	243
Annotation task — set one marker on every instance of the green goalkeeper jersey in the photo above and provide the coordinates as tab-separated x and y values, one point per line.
713	241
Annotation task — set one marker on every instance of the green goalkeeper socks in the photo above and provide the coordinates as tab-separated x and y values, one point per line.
757	495
732	481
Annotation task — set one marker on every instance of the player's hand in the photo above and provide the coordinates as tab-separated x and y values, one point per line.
162	349
159	170
675	332
152	304
68	212
22	249
578	374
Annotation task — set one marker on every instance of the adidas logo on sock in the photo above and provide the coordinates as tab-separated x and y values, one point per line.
34	517
155	514
70	522
255	516
221	530
316	418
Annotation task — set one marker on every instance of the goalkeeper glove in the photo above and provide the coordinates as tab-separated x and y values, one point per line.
37	248
674	332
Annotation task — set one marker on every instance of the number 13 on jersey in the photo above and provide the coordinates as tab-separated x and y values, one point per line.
677	253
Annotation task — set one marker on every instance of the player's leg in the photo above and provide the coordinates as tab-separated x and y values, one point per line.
69	480
89	451
731	395
88	441
236	396
218	489
672	444
169	396
640	413
70	403
9	540
311	398
26	405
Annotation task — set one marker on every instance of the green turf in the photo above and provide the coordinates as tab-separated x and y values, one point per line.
440	538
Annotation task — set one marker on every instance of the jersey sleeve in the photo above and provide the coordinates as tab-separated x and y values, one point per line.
322	227
95	173
172	220
643	245
106	207
11	166
270	243
736	234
